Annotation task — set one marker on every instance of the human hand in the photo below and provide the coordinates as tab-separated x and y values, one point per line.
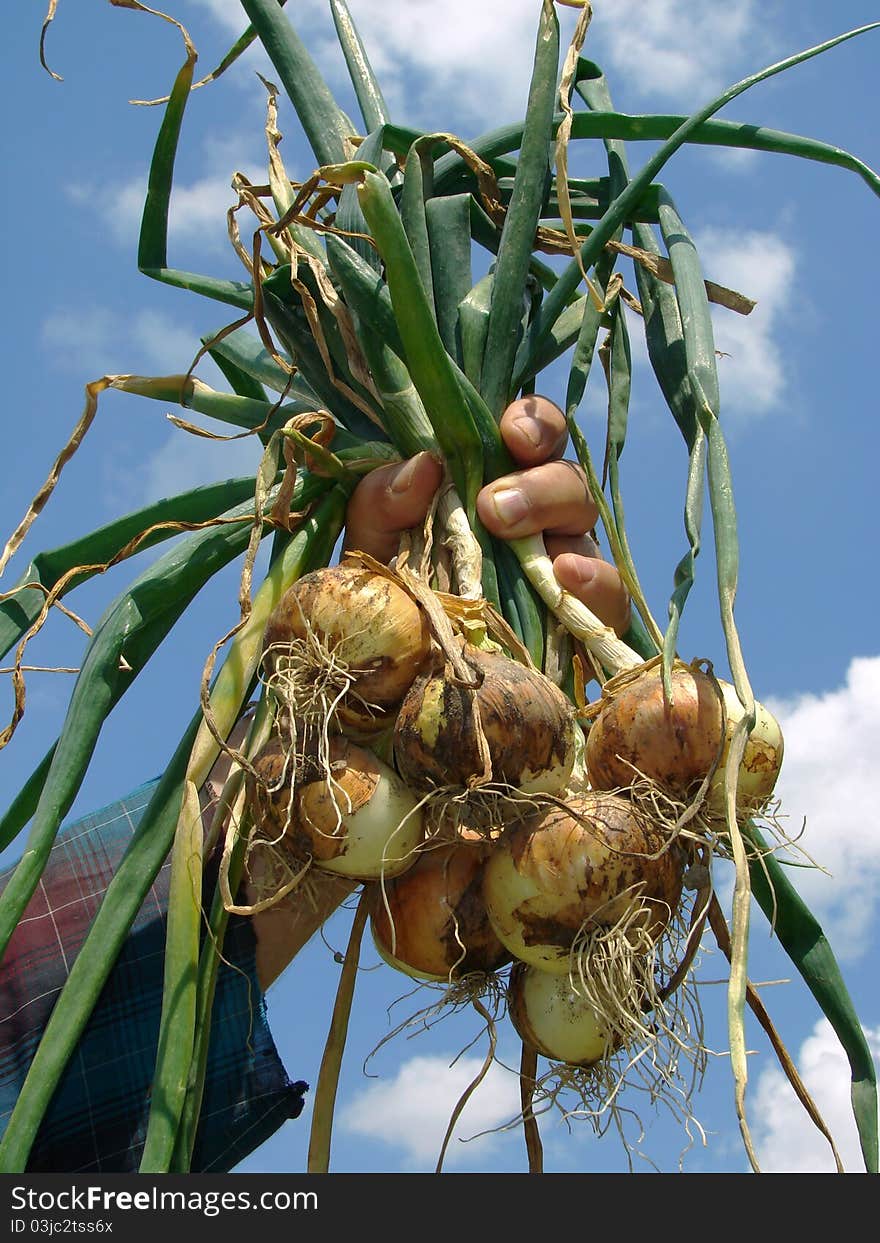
546	495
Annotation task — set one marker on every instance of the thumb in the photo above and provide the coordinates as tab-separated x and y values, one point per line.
389	500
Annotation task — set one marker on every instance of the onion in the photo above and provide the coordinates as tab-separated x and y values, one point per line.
639	733
555	875
438	927
761	762
527	721
360	821
550	1017
354	630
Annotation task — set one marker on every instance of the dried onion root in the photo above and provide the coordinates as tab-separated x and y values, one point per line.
344	644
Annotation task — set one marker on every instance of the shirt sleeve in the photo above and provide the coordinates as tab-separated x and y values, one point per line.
97	1119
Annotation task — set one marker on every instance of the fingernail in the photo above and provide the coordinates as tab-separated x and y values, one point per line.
580	571
531	428
510	505
405	474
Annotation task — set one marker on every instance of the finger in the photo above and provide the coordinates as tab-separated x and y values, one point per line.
534	430
596	584
390	500
553	497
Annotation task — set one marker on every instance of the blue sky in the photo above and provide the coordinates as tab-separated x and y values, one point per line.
798	404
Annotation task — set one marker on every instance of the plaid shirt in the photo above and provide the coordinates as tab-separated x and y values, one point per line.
97	1119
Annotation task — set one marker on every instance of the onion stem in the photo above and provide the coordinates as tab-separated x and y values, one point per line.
613	654
328	1076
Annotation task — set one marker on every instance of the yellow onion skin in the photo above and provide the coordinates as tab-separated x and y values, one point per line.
554	1020
527	720
673	744
369	623
441	930
761	762
559	873
364	824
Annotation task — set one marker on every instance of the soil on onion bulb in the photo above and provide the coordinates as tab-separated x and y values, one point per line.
525	720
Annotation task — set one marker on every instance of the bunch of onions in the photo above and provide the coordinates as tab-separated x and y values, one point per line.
594	863
431	922
553	1018
526	720
357	820
639	734
349	640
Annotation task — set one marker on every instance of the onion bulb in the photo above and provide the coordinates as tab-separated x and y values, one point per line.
553	1019
556	875
349	630
761	762
638	733
431	922
527	721
357	820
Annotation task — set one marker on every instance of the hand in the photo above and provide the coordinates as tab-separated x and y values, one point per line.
546	494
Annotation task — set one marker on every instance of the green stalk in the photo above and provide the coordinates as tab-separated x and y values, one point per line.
427	360
244	352
448	223
742	135
350	218
153	241
24	804
518	233
309	546
22	604
325	124
417	174
211	955
370	99
802	938
626	201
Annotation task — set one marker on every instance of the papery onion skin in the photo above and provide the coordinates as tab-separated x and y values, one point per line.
552	1019
363	823
639	733
365	619
441	930
527	720
555	874
761	762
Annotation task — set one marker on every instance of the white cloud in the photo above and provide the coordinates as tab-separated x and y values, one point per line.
829	778
673	49
786	1141
185	461
762	266
473	57
752	367
228	13
99	341
455	65
413	1109
197	213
